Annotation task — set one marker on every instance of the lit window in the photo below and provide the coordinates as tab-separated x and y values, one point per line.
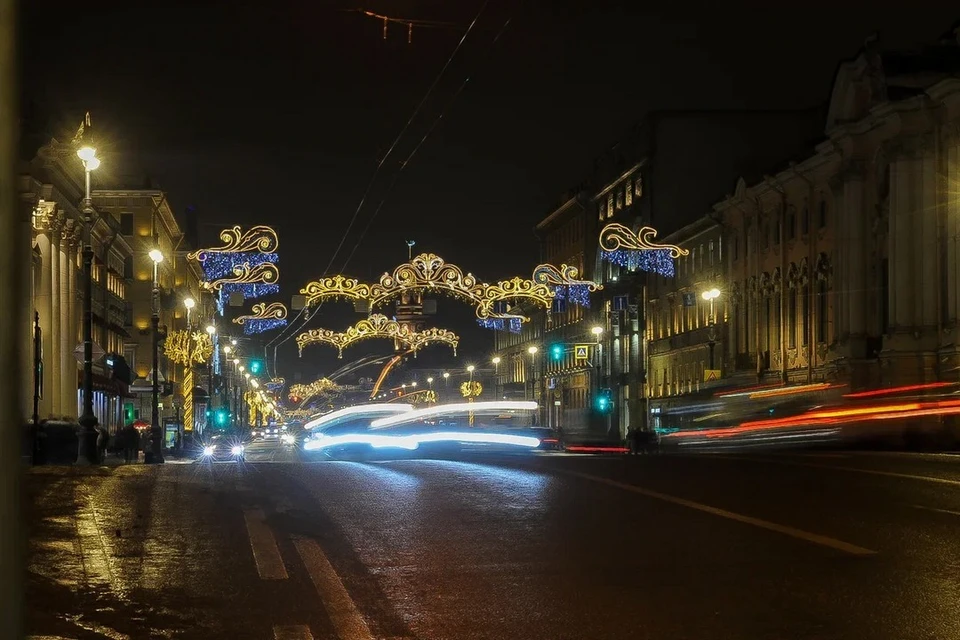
638	185
610	206
628	193
619	200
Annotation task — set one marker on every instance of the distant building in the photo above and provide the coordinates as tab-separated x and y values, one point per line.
146	221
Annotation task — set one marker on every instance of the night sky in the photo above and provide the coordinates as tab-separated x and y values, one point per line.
279	112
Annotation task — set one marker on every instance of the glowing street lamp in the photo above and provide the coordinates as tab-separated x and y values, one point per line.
212	330
88	452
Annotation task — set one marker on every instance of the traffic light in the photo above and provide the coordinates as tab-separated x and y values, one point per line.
256	367
556	352
222	417
604	401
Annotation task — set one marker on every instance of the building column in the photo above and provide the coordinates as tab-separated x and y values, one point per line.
852	268
53	361
68	376
44	302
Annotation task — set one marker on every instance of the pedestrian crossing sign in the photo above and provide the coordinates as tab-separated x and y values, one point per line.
709	375
581	351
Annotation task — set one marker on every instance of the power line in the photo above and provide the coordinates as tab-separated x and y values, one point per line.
376	172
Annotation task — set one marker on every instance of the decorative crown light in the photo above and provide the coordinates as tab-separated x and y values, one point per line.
378	326
638	250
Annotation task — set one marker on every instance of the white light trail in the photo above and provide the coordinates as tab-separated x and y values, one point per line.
459	407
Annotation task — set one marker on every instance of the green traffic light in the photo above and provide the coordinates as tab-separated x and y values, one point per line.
256	366
556	352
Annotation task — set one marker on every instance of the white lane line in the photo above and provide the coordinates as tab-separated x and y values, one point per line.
815	538
947	511
874	472
292	632
265	551
342	611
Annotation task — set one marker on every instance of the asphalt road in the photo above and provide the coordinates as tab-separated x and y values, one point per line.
817	546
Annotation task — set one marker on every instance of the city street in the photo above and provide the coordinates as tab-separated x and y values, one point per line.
820	546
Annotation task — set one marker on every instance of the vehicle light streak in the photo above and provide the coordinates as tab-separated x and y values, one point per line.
413	441
892	390
372	409
459	407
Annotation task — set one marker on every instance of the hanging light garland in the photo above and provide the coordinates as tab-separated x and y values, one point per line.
565	283
513	325
638	250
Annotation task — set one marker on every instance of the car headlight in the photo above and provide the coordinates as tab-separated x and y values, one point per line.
287	438
237	450
208	450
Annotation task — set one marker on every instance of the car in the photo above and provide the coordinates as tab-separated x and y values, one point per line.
221	448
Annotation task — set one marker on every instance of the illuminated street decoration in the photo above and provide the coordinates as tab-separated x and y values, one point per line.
275	385
416	340
512	324
187	386
378	326
185	348
565	283
638	250
303	392
429	273
264	318
263	273
471	389
260	239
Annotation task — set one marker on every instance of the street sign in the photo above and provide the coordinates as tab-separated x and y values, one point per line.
98	352
581	351
710	375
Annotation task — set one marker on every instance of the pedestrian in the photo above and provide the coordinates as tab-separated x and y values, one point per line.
131	440
103	439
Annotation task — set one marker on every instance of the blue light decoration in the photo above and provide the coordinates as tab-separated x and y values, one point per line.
639	250
251	327
578	294
499	324
658	261
220	265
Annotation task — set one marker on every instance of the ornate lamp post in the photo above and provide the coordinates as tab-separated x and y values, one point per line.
88	453
496	373
156	432
711	295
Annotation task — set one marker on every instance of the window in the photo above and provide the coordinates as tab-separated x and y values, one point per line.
822	311
601	210
885	294
792	318
805	220
823	214
126	224
610	205
620	303
777	233
638	185
765	235
619	200
628	193
710	246
791	223
805	314
735	248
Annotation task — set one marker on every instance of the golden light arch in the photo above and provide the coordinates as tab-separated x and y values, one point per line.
378	326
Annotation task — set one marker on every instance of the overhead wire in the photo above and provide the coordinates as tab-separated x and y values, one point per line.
305	311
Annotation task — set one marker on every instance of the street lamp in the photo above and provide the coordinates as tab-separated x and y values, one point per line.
496	376
189	303
413	384
88	453
430	382
532	350
710	295
156	435
597	331
212	330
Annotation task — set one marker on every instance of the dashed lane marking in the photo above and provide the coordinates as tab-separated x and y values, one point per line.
342	611
264	545
292	632
800	534
934	509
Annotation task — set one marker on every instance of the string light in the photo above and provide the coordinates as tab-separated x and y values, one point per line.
218	265
252	327
512	325
657	261
578	294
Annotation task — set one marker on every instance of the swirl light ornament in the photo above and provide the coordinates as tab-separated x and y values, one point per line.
638	250
335	287
263	273
261	238
565	283
264	318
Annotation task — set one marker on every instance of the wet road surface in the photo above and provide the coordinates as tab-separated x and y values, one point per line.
817	546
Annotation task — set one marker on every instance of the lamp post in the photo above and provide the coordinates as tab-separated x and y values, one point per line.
710	295
156	434
496	376
211	331
88	453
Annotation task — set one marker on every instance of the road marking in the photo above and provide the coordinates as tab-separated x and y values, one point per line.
292	632
347	621
947	511
265	551
815	538
874	472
